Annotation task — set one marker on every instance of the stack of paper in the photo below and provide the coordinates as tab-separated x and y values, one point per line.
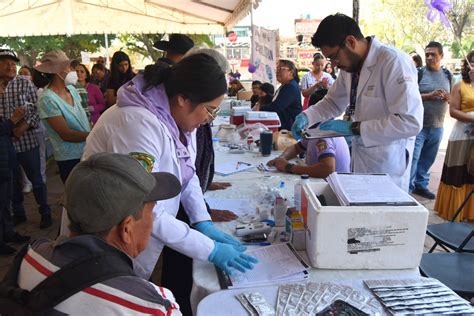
232	167
276	264
367	190
311	298
418	296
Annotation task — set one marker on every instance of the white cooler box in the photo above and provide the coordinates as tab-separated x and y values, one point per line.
362	237
269	119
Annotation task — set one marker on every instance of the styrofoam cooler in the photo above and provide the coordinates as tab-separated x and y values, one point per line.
362	237
237	114
269	119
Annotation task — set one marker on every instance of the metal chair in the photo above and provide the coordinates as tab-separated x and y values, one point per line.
455	269
450	235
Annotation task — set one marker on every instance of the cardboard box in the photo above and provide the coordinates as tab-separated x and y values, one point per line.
269	119
362	237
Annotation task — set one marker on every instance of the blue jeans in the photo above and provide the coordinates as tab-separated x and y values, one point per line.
30	161
426	148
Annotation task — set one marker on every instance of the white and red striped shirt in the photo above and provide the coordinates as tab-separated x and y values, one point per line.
124	295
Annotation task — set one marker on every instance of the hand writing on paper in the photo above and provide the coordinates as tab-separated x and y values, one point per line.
222	215
218	186
278	163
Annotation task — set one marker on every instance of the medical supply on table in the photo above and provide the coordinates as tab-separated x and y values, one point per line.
266	143
279	211
252	228
298	235
262	243
254	238
298	191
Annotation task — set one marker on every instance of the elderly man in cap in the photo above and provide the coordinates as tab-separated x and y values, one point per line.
175	48
109	198
14	92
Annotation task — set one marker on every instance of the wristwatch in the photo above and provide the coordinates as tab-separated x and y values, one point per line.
355	128
289	167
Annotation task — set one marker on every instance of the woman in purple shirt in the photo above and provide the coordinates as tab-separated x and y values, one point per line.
96	98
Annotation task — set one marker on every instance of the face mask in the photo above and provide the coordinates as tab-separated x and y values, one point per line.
25	77
71	78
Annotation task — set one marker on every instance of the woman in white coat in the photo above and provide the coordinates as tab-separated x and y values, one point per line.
155	114
379	83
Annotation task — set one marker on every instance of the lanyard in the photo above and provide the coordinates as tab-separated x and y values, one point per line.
353	97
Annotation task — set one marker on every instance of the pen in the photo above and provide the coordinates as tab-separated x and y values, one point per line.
264	243
241	163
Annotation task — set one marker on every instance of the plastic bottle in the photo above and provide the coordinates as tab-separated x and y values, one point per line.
299	191
280	209
215	143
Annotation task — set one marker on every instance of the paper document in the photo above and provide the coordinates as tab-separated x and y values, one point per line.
316	132
276	264
231	167
368	189
239	206
263	167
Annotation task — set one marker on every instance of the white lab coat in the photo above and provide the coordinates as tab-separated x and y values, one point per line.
135	129
389	107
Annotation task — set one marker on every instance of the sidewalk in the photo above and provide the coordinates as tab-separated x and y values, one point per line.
56	189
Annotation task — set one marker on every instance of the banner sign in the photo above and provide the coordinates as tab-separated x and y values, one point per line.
264	54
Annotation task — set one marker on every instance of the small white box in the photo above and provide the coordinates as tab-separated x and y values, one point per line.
362	237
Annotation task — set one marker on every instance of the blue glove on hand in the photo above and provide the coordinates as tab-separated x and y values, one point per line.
301	122
208	229
226	256
340	126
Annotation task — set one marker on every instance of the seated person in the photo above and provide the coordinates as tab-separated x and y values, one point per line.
265	96
235	87
255	92
287	101
116	218
323	157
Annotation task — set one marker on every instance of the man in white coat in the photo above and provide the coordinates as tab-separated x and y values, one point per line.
377	87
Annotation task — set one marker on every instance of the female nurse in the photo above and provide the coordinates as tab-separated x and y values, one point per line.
155	115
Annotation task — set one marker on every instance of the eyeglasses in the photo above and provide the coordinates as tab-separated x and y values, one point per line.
213	114
282	68
334	58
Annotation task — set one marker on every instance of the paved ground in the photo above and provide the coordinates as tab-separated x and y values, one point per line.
55	192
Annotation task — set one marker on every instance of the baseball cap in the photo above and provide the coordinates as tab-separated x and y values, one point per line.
101	191
177	43
53	62
8	53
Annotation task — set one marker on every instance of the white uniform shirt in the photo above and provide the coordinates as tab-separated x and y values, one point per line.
389	107
135	129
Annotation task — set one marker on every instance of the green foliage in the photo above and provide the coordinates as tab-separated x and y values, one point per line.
403	23
143	43
31	48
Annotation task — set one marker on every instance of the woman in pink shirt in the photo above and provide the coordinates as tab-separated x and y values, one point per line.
96	98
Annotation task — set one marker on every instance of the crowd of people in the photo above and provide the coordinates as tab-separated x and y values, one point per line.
135	152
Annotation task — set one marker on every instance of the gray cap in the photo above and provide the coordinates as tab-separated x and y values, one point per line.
101	191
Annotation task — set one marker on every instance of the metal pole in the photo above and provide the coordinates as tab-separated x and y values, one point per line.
106	49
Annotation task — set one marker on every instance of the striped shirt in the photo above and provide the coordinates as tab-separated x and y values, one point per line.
123	295
21	92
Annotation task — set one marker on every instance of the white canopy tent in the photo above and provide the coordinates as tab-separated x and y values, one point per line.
55	17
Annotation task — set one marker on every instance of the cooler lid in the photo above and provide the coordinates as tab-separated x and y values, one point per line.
261	116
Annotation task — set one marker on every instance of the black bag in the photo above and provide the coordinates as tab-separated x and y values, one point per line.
317	96
61	285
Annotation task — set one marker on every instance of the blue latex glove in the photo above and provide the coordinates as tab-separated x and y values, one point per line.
226	257
208	229
340	126
301	122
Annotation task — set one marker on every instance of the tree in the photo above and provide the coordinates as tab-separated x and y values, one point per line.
403	23
31	48
143	43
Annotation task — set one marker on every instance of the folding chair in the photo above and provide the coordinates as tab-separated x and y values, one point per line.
450	235
455	269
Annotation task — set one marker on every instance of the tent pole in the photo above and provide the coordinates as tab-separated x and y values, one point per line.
106	37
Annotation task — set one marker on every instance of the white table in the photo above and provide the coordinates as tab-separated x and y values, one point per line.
247	184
